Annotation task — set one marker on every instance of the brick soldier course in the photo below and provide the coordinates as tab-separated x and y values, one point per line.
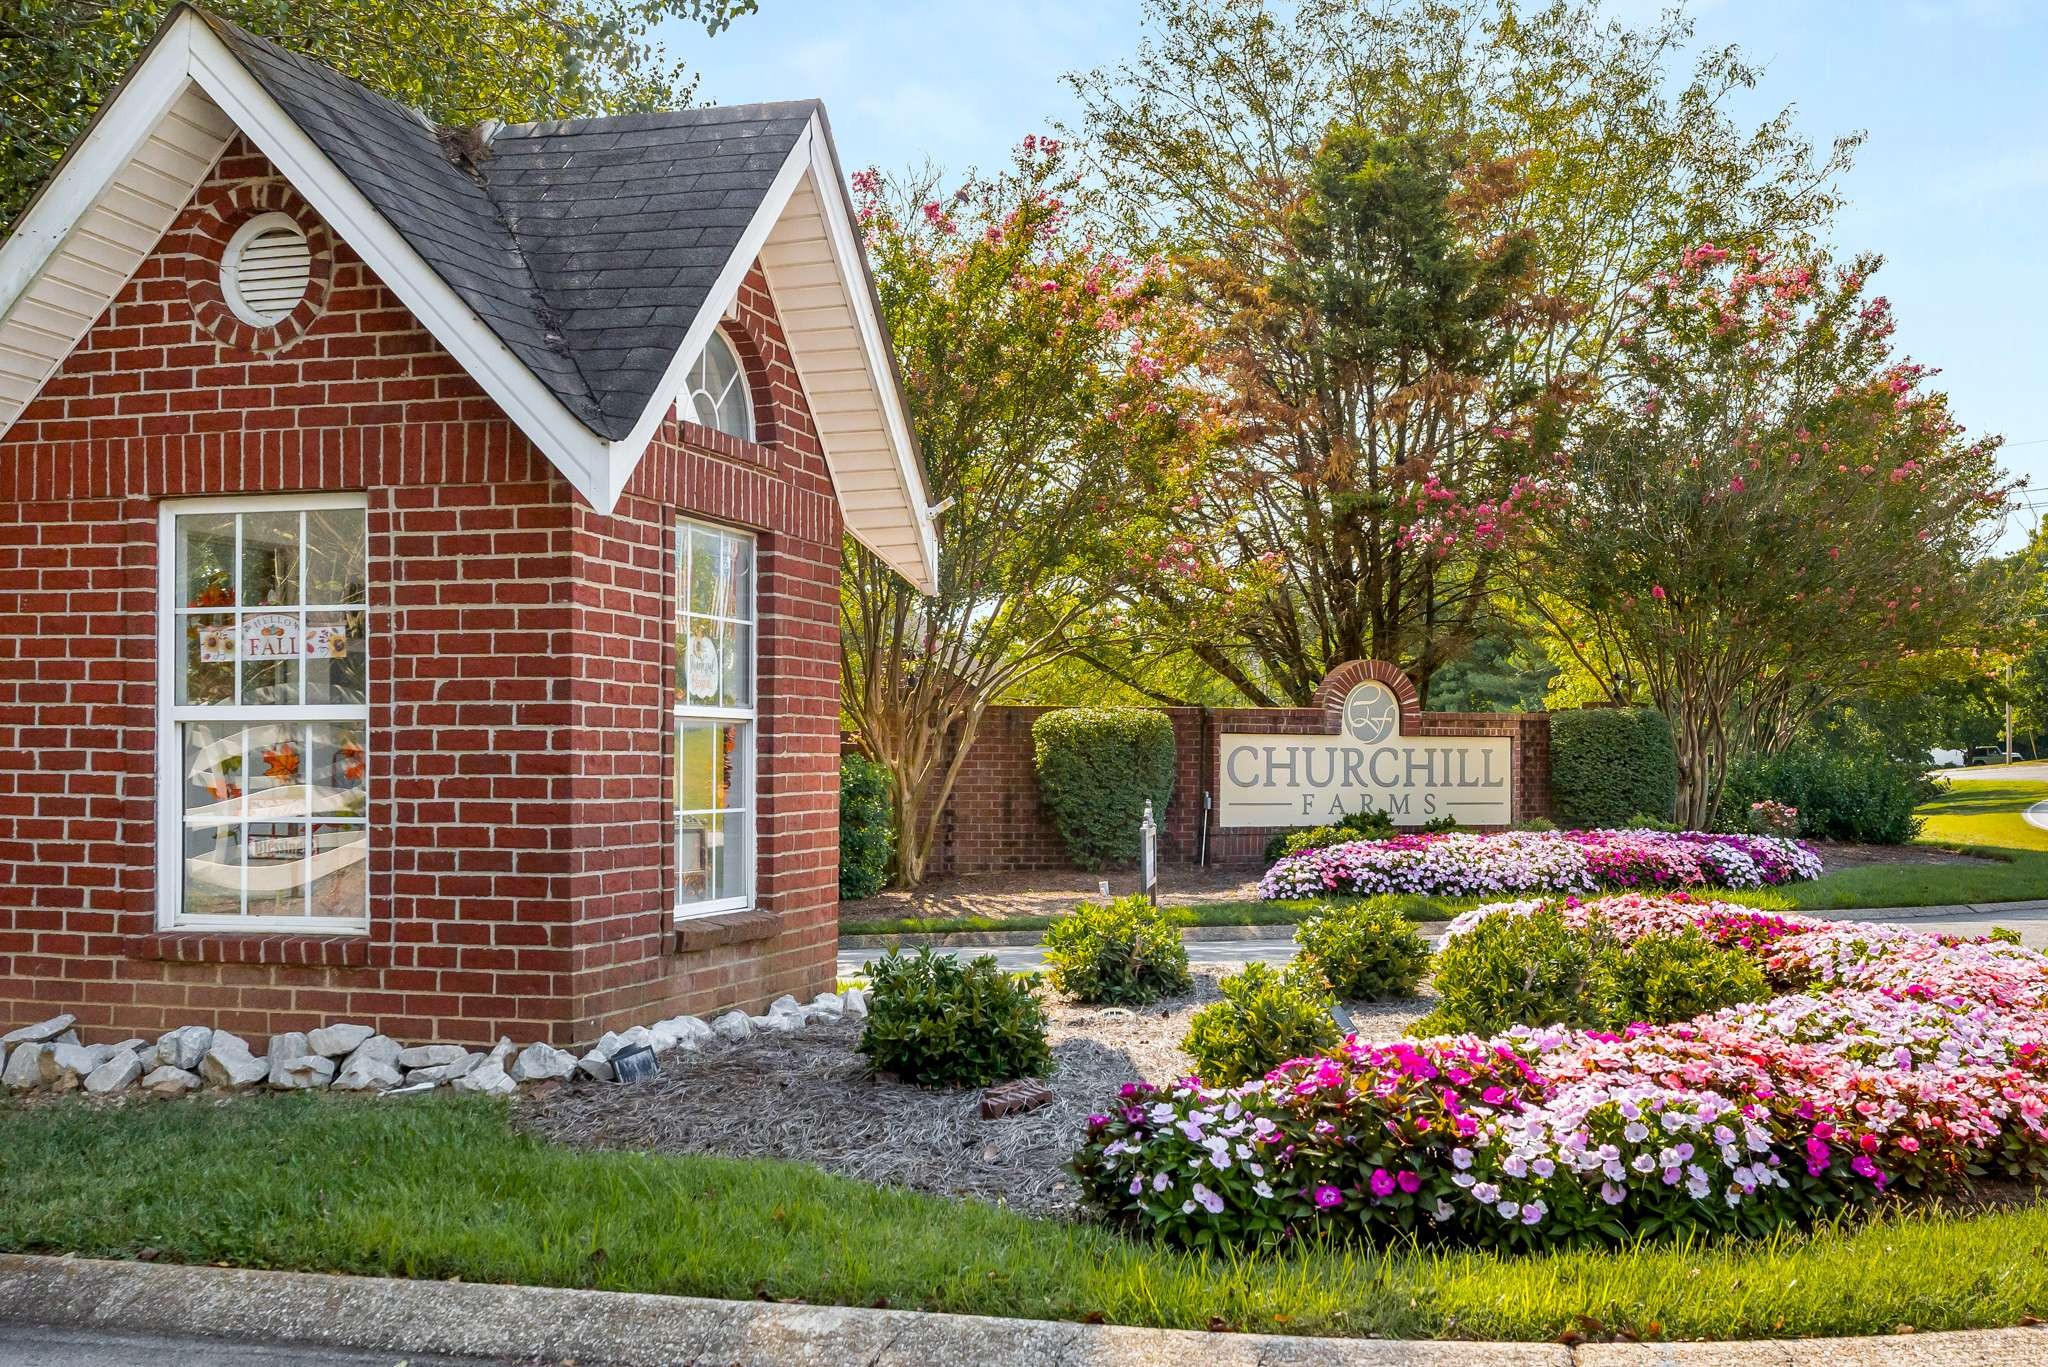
522	859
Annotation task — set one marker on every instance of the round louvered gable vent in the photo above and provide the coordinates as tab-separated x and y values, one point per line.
266	269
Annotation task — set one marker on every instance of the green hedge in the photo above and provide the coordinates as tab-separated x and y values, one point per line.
1096	768
1842	792
867	828
1608	764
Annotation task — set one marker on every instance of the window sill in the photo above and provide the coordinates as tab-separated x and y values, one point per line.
253	947
724	928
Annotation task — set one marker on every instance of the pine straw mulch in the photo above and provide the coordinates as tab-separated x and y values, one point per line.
808	1096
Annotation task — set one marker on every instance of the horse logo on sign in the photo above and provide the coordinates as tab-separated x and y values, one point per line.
1371	712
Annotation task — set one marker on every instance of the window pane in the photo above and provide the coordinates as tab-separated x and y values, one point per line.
701	666
340	868
336	669
274	761
736	666
696	751
206	560
730	853
270	658
270	558
213	774
276	857
336	556
693	858
706	561
206	647
728	777
213	871
338	776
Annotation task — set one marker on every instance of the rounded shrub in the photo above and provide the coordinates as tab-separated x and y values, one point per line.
1123	953
1514	970
867	828
1610	763
1367	825
1267	1016
1097	767
941	1023
1842	791
1367	951
1663	978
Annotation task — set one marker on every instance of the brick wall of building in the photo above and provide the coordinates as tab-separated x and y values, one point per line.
995	822
521	866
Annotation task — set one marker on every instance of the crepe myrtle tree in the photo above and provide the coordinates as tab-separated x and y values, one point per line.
1597	149
1770	508
1042	374
457	61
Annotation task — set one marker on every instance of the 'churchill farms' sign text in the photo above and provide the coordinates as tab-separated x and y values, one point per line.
1294	780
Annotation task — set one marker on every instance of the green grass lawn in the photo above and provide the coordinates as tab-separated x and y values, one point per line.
443	1187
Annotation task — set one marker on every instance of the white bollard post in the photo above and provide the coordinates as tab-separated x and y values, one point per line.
1148	840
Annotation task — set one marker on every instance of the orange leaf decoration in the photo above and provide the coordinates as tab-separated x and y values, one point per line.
281	762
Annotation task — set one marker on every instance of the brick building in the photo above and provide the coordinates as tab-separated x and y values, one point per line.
419	558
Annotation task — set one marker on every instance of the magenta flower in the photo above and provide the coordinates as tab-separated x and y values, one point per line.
1328	1196
1382	1182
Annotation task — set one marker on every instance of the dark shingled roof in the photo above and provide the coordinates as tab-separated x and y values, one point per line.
586	245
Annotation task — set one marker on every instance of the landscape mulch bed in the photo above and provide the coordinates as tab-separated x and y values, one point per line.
1842	854
808	1096
1047	893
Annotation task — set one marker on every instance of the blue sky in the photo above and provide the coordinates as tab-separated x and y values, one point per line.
1952	185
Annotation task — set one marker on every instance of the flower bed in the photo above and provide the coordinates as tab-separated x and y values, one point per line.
1459	863
1893	1060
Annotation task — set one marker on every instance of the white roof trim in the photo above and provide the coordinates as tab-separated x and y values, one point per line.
188	55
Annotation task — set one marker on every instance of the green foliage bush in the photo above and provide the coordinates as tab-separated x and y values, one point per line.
1120	954
1267	1016
1511	970
867	828
1608	763
1097	766
1366	952
1365	825
1541	970
1843	791
1643	821
936	1021
1663	978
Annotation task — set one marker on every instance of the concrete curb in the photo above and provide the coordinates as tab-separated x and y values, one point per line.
990	939
621	1329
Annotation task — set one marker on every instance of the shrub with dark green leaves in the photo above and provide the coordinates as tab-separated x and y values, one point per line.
867	828
1643	821
941	1023
1123	953
1540	969
1366	951
1514	970
1267	1016
1843	791
1609	763
1365	825
1664	978
1097	767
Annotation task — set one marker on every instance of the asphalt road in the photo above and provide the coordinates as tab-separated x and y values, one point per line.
28	1345
1228	955
2026	771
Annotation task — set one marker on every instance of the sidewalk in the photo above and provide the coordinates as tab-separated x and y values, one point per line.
51	1307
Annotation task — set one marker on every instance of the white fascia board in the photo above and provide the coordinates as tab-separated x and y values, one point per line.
582	456
629	450
846	249
112	142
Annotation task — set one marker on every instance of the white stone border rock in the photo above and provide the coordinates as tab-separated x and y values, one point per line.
351	1057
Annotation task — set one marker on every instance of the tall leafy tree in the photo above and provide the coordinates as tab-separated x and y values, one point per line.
1042	374
457	61
1574	135
1770	510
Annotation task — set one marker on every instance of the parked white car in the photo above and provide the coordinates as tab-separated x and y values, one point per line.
1946	759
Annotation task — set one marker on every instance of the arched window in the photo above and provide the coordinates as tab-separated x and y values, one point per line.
719	397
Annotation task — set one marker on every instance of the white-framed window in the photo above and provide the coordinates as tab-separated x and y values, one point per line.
714	719
719	396
263	757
